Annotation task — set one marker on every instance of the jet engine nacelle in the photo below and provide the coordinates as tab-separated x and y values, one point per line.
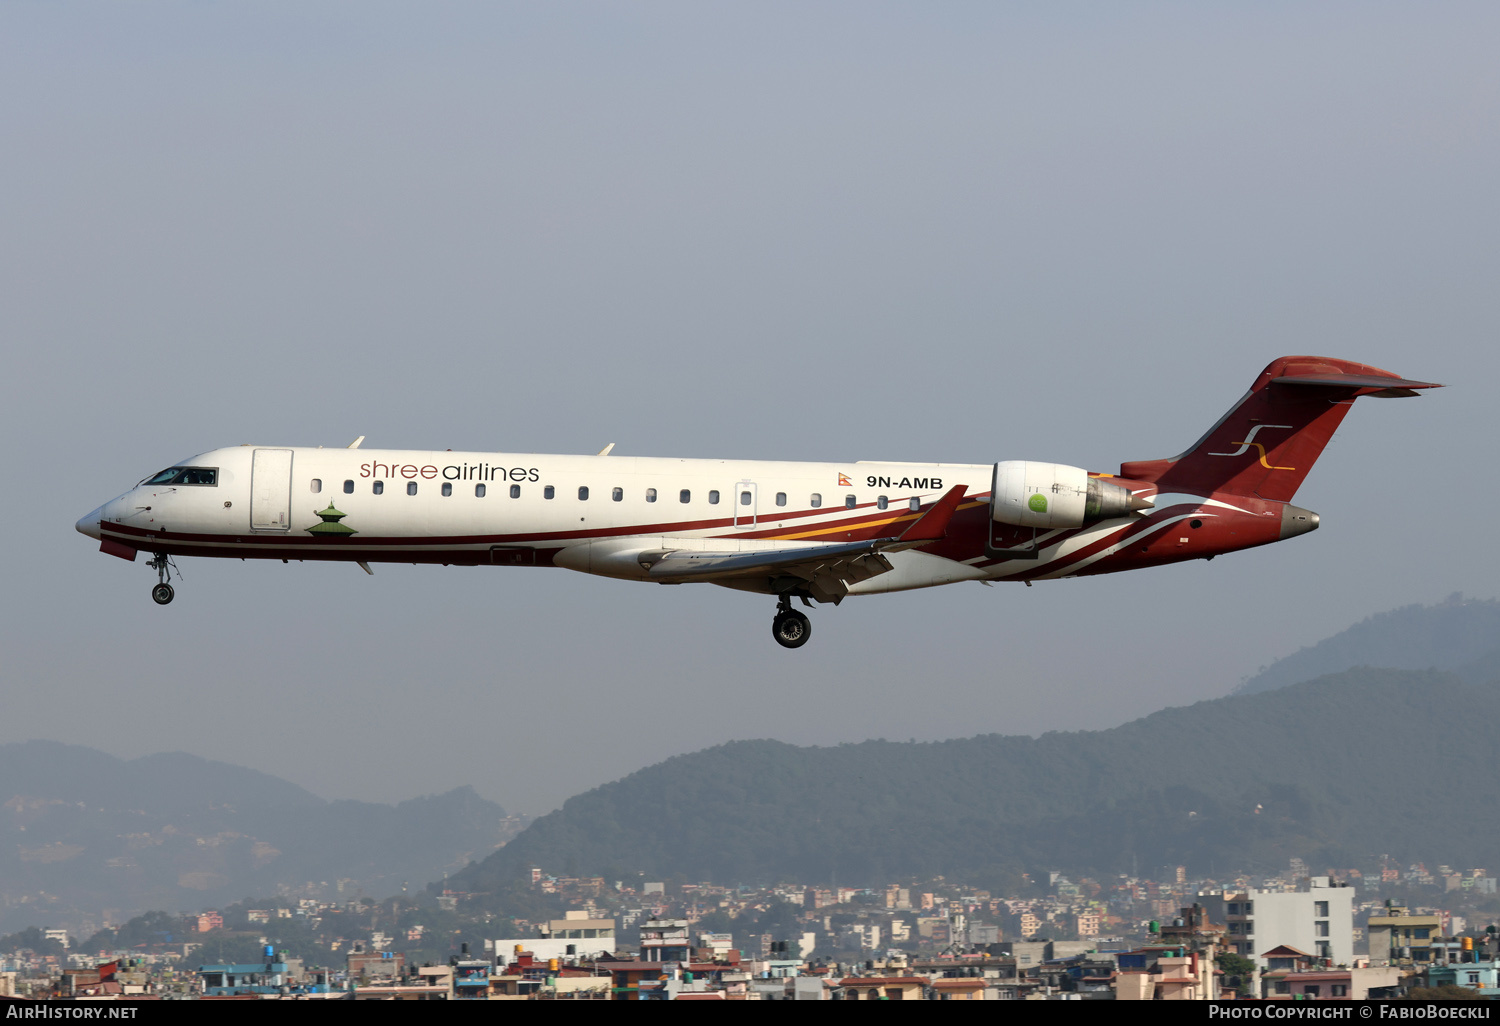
1052	495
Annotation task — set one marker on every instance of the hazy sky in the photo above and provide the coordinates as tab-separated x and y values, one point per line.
963	232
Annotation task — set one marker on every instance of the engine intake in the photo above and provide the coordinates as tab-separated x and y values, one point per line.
1053	495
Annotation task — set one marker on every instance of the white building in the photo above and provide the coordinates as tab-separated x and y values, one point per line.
544	948
1319	920
576	936
862	934
578	926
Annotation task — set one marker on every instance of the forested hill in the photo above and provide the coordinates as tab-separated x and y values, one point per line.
81	829
1331	770
1459	634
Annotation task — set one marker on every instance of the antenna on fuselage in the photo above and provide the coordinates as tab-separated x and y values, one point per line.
605	451
355	444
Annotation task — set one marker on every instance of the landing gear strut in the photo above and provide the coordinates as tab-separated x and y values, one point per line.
162	563
791	628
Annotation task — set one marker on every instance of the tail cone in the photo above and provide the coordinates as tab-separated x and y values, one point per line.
1295	520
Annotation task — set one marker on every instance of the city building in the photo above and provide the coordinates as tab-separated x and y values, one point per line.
1168	978
573	937
1399	936
1332	984
277	975
1481	976
884	988
579	926
1318	920
374	965
665	940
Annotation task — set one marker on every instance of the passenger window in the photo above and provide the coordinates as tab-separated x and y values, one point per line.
317	485
781	498
411	488
685	496
848	502
744	498
583	493
348	487
515	491
713	497
447	488
816	502
650	494
378	487
548	492
479	491
882	502
915	504
617	494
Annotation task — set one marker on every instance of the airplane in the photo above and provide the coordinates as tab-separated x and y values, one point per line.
817	532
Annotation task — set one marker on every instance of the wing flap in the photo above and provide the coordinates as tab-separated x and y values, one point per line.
684	563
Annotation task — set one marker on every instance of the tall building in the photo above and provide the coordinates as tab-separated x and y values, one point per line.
1318	921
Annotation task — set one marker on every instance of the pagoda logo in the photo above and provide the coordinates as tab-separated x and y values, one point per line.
330	526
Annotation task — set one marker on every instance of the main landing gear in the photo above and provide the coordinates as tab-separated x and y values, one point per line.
791	628
162	563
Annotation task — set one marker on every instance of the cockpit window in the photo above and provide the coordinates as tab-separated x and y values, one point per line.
185	476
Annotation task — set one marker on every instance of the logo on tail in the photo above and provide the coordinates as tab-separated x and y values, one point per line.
1250	440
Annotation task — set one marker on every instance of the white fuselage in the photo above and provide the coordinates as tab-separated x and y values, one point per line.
586	513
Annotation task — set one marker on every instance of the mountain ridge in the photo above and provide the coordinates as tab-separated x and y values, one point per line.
1458	634
1243	780
82	830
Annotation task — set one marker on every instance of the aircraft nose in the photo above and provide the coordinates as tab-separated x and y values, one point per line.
89	524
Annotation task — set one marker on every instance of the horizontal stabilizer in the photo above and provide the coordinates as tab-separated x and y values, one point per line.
1366	384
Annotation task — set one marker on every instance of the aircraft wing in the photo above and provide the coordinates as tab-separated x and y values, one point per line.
828	568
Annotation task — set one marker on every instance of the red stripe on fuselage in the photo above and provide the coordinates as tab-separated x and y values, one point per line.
857	527
1223	530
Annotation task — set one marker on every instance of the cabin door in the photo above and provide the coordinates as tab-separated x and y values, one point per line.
744	504
271	490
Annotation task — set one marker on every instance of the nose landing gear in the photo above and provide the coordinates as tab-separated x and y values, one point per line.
791	628
162	563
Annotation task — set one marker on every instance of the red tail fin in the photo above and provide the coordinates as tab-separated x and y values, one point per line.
1269	440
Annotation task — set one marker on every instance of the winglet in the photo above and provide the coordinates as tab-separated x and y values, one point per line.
933	525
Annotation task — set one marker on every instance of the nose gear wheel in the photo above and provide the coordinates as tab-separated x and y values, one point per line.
161	592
